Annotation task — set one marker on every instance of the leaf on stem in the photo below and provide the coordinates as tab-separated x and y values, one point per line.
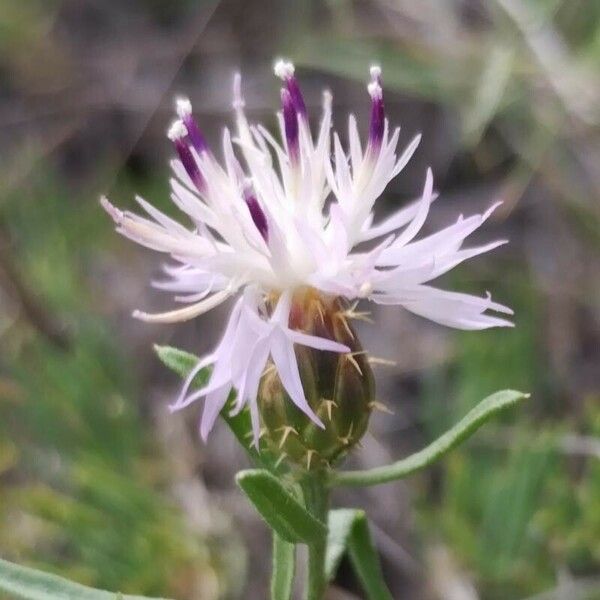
349	530
484	411
279	508
23	583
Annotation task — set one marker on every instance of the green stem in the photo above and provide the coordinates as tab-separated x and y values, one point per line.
316	496
466	427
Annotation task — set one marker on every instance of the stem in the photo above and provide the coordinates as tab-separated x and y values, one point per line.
466	427
316	496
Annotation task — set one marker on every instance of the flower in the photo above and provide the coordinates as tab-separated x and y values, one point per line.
296	216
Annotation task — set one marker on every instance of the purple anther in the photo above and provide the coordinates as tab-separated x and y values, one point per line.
195	136
290	121
285	71
297	98
256	212
177	135
377	124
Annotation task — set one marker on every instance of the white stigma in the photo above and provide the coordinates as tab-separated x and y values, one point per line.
177	131
183	107
283	70
375	72
366	289
238	99
375	90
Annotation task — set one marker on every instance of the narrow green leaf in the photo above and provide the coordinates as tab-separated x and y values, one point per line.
339	527
282	578
182	363
348	530
484	411
23	583
279	508
365	560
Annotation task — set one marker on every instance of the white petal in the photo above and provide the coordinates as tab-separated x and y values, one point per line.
285	361
356	154
406	155
186	313
201	364
313	341
452	309
398	219
415	225
252	381
213	405
439	243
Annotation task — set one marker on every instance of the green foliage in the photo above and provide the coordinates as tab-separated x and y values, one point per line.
349	531
82	470
339	528
484	411
569	521
22	583
279	507
510	507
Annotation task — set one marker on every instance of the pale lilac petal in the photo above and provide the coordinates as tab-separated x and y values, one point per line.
255	422
213	405
313	341
445	264
452	309
282	352
397	220
281	313
448	239
356	155
415	225
407	155
181	400
252	381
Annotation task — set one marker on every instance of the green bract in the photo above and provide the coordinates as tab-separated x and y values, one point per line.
339	388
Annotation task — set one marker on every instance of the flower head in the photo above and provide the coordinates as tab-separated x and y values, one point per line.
277	218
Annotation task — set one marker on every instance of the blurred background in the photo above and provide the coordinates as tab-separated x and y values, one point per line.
99	484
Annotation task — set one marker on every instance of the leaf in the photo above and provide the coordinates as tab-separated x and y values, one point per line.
349	530
484	411
279	508
182	363
23	583
339	527
282	578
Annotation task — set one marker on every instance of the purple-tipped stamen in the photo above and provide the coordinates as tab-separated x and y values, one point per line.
256	212
285	71
177	134
195	136
290	122
377	124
